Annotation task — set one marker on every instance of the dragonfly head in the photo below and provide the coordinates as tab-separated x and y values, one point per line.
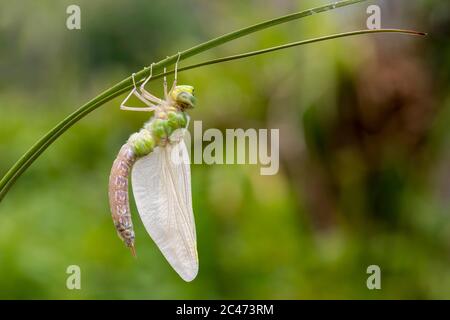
183	96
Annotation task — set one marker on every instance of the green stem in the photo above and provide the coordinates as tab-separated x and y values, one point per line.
285	46
80	115
40	146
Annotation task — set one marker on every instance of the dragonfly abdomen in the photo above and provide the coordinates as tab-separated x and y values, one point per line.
118	194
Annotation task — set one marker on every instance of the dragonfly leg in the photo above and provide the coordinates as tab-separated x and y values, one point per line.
147	94
176	72
165	84
150	105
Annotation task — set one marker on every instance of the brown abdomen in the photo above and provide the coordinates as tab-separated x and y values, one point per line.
118	195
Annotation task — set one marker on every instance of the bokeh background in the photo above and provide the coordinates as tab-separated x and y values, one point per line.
365	151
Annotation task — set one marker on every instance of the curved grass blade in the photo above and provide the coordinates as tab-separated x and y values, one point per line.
25	161
288	45
28	158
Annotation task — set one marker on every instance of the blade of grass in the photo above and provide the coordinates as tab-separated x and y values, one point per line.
286	46
25	161
79	115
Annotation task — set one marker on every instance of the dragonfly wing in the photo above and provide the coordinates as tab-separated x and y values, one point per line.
162	191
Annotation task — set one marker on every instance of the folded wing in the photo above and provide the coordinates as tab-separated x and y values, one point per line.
162	190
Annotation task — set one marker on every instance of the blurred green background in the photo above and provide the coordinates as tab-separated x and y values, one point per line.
365	157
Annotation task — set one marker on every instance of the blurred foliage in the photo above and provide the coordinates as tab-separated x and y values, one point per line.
365	140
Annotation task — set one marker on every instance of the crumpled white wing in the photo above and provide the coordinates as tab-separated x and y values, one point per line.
162	191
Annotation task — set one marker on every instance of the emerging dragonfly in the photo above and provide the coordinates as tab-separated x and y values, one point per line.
161	186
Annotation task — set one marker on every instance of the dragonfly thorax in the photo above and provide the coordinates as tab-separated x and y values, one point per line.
157	131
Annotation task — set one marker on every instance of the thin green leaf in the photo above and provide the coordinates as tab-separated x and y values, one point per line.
34	152
286	46
53	137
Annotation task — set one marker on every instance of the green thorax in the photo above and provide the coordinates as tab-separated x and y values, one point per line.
158	130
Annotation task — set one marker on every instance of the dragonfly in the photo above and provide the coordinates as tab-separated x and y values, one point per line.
158	160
